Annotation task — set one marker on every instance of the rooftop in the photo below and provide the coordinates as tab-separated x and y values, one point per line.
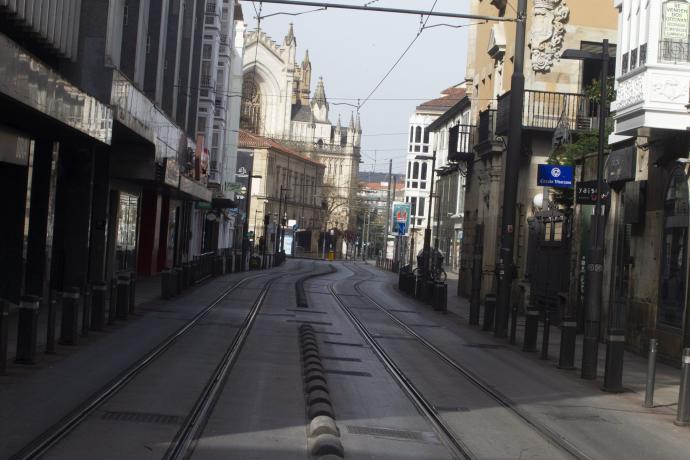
252	141
451	96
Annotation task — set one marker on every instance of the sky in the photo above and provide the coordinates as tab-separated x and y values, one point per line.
353	50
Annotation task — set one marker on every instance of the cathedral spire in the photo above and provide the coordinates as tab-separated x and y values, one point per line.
306	62
352	121
290	37
320	94
358	124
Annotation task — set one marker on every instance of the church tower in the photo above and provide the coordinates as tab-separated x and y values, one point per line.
358	132
319	105
290	44
305	82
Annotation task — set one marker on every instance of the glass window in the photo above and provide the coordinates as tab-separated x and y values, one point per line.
418	134
126	246
674	251
413	205
421	206
411	134
414	184
426	136
415	170
422	185
424	168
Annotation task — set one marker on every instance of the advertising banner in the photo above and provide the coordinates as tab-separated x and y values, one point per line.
555	176
401	218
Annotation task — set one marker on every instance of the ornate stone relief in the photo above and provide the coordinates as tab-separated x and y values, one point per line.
668	89
548	29
630	92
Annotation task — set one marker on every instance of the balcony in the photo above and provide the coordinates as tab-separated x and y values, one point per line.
211	8
461	143
487	142
544	110
206	82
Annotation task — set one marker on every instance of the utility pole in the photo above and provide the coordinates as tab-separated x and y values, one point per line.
595	272
388	210
512	166
427	232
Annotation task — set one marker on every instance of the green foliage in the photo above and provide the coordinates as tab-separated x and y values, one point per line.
593	91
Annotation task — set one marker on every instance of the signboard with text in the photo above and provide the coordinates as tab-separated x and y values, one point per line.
586	192
401	218
555	176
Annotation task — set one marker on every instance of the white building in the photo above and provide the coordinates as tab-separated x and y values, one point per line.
419	160
277	104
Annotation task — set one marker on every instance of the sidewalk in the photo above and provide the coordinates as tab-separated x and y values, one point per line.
667	383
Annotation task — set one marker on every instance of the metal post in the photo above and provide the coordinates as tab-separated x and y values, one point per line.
427	232
69	327
388	209
512	166
531	328
98	306
86	310
651	373
683	416
595	263
27	330
52	317
122	307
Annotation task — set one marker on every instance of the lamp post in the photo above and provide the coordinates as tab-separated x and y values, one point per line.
279	223
426	251
247	206
615	343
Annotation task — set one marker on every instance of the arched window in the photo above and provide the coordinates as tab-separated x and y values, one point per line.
423	171
674	251
250	115
411	134
415	170
409	165
426	136
418	134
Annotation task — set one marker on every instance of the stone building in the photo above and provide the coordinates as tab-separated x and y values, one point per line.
647	170
278	104
554	97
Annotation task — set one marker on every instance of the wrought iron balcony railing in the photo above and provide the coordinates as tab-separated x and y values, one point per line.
207	82
461	143
544	110
487	126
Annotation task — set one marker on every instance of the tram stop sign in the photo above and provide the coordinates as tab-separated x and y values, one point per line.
402	228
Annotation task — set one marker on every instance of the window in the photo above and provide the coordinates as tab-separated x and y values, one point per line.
426	136
414	184
424	167
411	134
413	205
250	113
415	170
207	51
409	166
421	206
418	134
674	251
201	124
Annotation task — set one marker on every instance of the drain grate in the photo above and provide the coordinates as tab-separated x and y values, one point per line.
390	433
486	346
142	417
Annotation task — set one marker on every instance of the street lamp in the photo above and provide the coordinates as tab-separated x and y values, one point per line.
615	342
426	251
247	205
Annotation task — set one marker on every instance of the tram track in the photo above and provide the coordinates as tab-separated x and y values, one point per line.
426	407
184	440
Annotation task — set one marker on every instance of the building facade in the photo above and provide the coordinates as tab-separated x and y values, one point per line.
647	170
278	104
554	98
285	187
420	150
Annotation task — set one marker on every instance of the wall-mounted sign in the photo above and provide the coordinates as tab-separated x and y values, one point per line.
401	218
172	172
675	21
586	192
555	176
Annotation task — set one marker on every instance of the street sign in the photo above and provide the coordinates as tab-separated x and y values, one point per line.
401	214
586	192
555	176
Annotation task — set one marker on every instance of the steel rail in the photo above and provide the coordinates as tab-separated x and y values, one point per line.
378	9
550	435
187	437
456	446
60	430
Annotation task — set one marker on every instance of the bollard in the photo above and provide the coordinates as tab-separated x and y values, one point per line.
112	301
419	288
98	297
566	356
489	310
122	306
615	351
178	277
531	329
52	319
185	275
428	292
27	330
545	335
513	324
165	284
440	302
683	417
69	327
85	310
4	334
651	373
132	292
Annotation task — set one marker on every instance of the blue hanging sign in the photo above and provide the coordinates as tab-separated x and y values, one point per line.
555	176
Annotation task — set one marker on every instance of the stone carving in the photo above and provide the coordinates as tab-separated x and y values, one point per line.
668	89
548	29
630	92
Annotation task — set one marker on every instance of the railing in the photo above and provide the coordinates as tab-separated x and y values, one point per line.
461	146
211	8
206	82
544	110
674	51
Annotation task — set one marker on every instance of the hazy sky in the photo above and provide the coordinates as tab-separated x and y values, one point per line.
353	50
